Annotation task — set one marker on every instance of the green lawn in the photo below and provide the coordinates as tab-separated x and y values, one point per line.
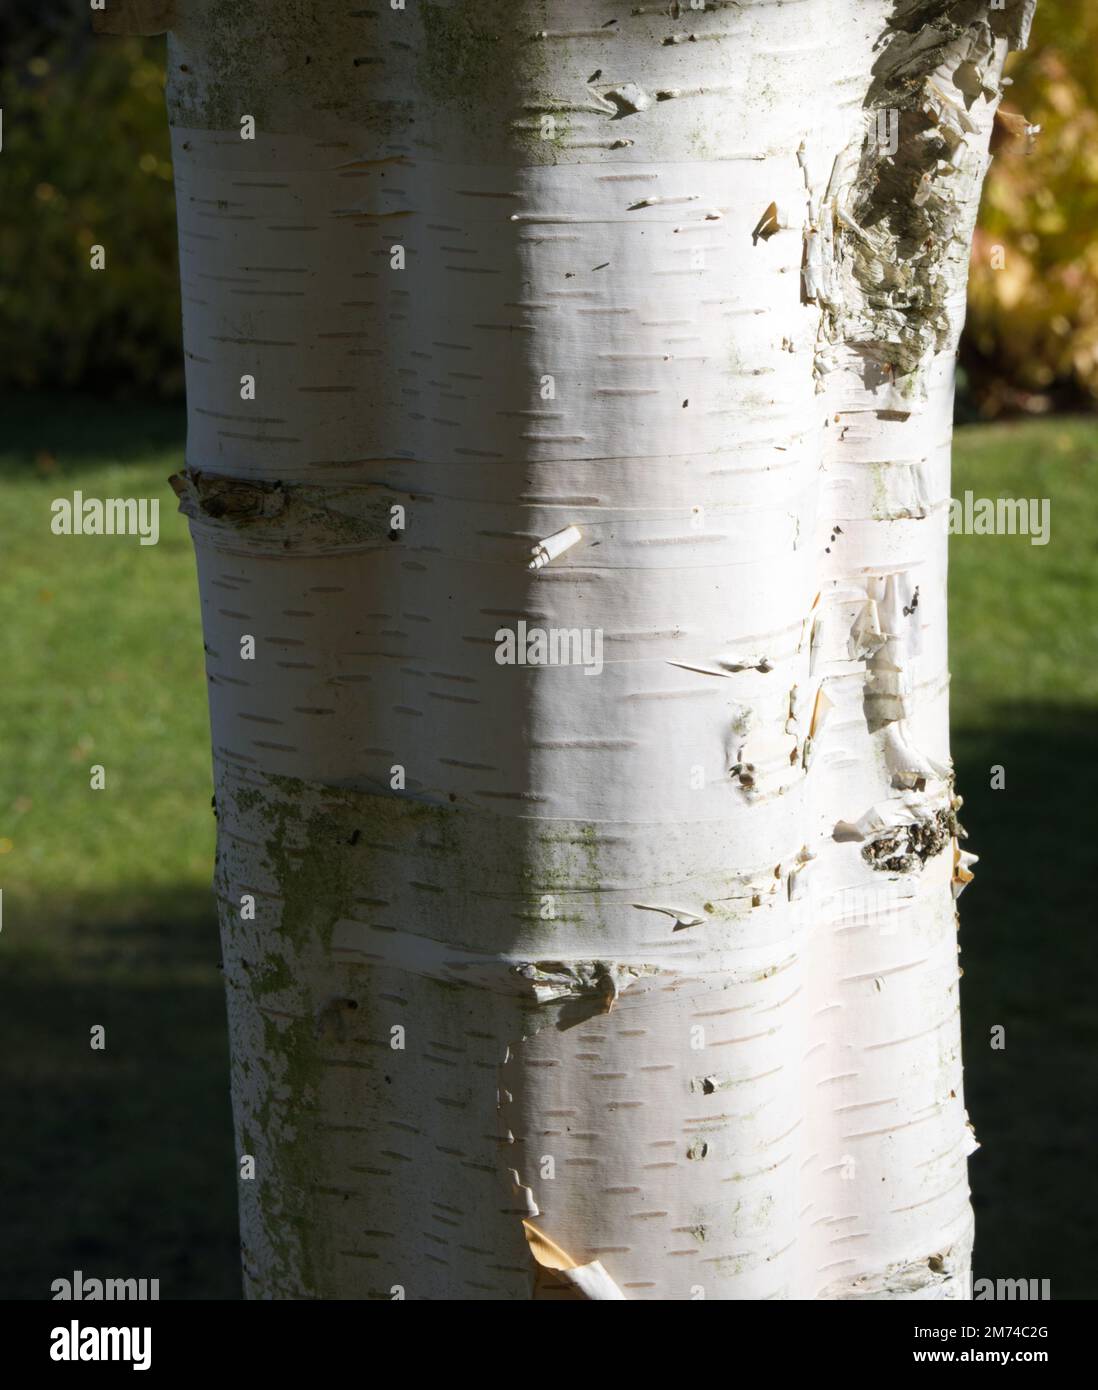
1024	623
121	1162
117	1162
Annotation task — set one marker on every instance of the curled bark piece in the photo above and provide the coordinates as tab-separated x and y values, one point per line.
683	917
524	1195
1013	133
866	637
962	868
589	1280
626	100
768	224
820	710
910	768
552	546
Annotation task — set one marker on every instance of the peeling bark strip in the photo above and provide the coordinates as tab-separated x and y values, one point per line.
643	985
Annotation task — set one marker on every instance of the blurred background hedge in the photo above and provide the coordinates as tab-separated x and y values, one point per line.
86	161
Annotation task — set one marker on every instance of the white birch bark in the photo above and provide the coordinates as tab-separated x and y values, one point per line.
672	946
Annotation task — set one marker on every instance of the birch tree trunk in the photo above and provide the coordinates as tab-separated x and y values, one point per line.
628	969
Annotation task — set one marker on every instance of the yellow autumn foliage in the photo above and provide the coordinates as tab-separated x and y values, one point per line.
1032	333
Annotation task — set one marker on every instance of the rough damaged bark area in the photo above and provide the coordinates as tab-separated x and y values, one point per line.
644	984
902	219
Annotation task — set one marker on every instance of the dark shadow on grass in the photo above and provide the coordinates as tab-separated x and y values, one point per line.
75	430
119	1162
1027	935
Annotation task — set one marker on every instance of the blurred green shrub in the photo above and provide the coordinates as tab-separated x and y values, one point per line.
1032	335
86	161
